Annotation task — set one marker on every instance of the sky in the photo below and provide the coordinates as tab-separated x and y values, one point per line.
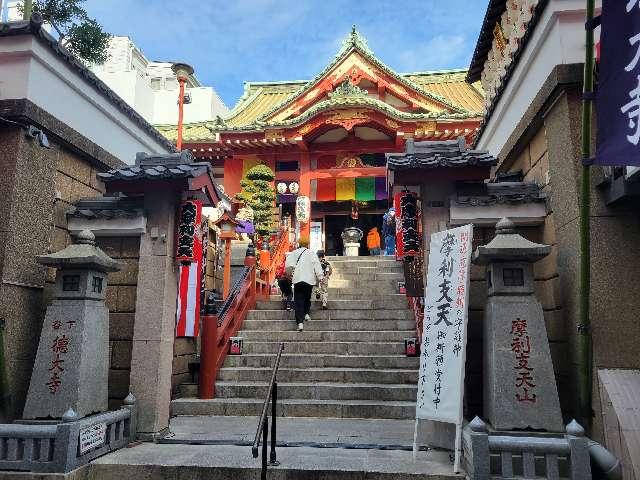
229	42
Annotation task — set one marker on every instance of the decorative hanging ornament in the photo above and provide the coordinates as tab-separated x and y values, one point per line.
354	210
294	187
281	188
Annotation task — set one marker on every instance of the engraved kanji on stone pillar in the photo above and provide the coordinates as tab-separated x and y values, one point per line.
72	363
519	383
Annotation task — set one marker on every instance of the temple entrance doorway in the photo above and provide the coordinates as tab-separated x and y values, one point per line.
334	224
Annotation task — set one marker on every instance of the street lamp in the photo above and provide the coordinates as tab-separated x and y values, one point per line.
227	226
182	71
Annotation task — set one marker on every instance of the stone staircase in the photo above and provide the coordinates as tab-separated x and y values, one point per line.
348	363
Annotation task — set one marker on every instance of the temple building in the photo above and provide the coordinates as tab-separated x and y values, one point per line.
326	138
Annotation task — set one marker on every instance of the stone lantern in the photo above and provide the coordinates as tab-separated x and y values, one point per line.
72	363
519	383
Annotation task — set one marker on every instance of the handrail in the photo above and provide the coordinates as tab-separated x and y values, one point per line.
219	328
277	253
263	423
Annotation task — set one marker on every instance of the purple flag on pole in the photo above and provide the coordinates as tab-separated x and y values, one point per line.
618	96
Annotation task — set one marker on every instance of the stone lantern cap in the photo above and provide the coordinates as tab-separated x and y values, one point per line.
83	254
509	246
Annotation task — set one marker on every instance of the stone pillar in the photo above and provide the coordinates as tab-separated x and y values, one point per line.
72	363
519	383
154	329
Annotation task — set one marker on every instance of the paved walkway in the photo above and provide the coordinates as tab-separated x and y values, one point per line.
295	431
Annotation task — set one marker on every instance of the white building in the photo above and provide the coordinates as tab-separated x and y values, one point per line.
151	88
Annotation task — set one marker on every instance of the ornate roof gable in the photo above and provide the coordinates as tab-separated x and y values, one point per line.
354	62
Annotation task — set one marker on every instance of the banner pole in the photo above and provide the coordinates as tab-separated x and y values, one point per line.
415	439
458	444
583	327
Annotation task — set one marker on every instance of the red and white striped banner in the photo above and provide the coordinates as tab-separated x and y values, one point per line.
189	280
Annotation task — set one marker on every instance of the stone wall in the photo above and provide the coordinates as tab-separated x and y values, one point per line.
533	162
121	302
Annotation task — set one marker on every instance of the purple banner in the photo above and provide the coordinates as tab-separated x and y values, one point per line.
618	96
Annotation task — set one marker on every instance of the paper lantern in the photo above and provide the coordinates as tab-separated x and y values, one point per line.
294	187
303	209
281	188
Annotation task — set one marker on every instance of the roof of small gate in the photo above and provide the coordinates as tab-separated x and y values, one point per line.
261	99
434	154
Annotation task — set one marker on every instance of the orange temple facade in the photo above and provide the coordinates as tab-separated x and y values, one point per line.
328	136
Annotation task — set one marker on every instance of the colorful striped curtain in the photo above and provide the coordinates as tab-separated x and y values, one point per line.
345	189
365	189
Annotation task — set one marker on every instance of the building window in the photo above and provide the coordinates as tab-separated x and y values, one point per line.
287	166
156	83
513	277
97	284
71	283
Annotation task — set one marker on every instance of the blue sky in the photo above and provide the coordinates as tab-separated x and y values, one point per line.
231	41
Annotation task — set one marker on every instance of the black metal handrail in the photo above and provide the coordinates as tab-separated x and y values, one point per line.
233	293
263	423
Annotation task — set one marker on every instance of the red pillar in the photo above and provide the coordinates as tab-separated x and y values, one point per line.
226	279
181	81
305	189
209	355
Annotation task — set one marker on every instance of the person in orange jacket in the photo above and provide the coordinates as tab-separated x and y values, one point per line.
373	241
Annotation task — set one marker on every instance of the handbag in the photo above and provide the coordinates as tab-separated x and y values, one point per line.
292	268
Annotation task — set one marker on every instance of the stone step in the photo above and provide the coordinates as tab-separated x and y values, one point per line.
343	348
320	391
328	336
318	325
383	286
296	408
342	293
363	274
342	268
279	314
382	302
323	374
300	360
155	461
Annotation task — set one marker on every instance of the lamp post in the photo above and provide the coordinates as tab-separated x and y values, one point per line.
182	71
227	227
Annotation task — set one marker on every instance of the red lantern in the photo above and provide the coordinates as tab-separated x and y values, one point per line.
188	230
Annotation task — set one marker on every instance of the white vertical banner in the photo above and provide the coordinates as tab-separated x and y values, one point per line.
444	334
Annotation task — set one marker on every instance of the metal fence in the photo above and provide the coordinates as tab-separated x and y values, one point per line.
498	456
55	448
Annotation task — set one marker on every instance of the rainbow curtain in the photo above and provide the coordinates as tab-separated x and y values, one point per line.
362	189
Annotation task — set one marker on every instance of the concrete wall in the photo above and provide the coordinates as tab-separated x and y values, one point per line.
31	70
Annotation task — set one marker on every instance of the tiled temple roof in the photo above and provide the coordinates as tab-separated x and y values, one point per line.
174	166
430	154
261	99
503	193
106	207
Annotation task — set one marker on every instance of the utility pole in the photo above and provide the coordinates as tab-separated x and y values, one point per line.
584	322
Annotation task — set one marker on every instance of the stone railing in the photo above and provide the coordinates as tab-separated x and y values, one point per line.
56	448
521	456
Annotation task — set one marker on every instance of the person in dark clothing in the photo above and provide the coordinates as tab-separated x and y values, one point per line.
284	284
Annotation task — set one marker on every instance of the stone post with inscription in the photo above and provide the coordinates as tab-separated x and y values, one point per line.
72	363
519	384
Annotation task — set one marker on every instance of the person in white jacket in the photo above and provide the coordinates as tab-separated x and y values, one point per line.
306	271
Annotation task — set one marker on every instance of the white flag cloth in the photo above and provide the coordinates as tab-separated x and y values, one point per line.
444	336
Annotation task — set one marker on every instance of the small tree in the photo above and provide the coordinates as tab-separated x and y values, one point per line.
81	35
259	194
